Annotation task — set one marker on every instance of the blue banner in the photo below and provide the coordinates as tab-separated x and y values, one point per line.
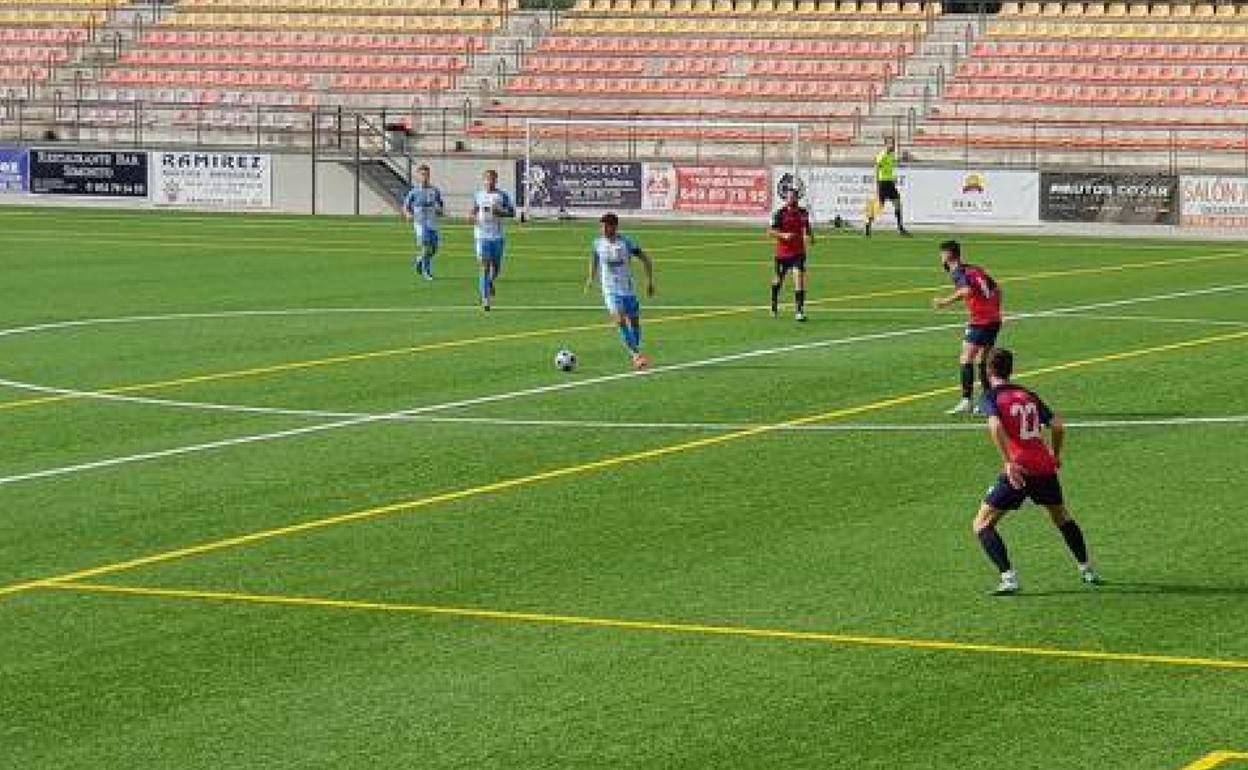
14	168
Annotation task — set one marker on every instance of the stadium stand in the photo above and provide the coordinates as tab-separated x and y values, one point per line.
820	64
1100	76
1040	78
35	40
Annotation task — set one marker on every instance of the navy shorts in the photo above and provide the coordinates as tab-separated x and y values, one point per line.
1043	490
984	335
785	264
887	191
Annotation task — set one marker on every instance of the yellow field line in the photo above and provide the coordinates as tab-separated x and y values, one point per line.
1216	759
667	627
347	358
580	469
535	333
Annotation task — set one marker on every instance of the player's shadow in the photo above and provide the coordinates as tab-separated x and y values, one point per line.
1140	588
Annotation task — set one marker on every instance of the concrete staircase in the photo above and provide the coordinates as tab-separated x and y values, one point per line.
910	96
504	55
118	34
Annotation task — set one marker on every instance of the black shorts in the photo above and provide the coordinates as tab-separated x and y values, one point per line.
785	264
887	191
983	335
1043	490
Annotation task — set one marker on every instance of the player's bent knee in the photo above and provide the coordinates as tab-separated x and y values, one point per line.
986	518
1059	515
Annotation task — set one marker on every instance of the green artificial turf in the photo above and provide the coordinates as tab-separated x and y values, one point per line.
637	586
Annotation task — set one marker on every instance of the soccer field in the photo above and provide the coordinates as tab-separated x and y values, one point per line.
267	500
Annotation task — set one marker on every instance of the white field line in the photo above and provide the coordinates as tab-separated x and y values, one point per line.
408	414
476	309
263	222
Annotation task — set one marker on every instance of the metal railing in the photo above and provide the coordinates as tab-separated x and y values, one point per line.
438	128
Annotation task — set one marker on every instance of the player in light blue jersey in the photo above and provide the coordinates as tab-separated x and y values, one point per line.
422	207
610	263
490	206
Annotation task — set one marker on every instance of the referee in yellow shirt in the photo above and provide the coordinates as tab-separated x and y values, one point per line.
886	186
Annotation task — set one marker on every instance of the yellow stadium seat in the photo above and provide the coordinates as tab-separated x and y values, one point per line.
785	6
890	8
1095	10
807	7
764	7
912	9
682	7
1138	10
703	7
1160	11
722	7
1243	11
868	8
1116	10
1203	10
827	7
1029	9
1181	11
1009	9
1073	9
1051	9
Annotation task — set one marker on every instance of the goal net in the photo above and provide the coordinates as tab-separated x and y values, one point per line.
654	168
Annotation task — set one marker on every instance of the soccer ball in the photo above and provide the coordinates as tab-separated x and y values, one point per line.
565	360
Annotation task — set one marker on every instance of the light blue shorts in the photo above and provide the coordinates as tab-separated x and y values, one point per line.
490	251
625	304
427	237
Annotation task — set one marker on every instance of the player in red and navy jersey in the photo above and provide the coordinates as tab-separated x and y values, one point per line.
790	227
1016	420
982	296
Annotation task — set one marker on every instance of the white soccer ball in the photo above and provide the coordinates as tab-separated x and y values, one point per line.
565	360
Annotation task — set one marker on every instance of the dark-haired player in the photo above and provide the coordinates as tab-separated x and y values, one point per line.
982	296
490	205
1016	421
609	262
790	227
422	207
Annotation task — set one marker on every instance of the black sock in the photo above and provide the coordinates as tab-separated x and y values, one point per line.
983	376
968	380
994	546
799	297
897	211
1074	541
775	294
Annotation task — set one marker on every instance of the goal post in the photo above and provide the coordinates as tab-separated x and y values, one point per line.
654	167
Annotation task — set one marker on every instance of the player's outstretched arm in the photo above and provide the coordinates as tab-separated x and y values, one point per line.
957	296
1057	436
647	264
505	208
1001	439
593	271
